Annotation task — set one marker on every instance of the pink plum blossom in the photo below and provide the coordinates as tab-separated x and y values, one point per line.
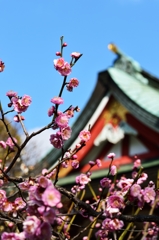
57	100
62	67
7	206
19	203
51	197
148	194
3	144
125	183
56	140
58	63
112	224
72	83
75	54
66	133
26	100
65	70
21	104
82	179
85	135
135	190
44	182
13	236
18	107
105	182
62	120
10	143
49	215
143	177
75	164
30	226
11	94
115	201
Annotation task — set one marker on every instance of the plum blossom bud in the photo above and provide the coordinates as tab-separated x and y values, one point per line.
2	66
57	100
69	88
137	163
65	164
64	44
18	118
58	54
74	156
98	162
3	144
51	111
78	145
111	155
10	104
89	174
75	164
70	112
91	163
113	170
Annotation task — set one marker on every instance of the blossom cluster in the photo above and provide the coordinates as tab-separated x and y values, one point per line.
20	104
9	142
43	203
36	209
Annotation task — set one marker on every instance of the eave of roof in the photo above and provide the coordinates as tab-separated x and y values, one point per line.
142	102
108	82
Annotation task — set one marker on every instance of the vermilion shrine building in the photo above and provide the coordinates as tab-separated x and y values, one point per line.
123	112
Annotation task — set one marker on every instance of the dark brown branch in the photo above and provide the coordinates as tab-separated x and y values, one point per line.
91	212
24	144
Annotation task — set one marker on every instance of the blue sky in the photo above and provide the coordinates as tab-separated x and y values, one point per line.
29	38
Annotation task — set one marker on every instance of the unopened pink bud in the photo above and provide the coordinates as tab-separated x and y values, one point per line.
64	44
78	145
58	54
10	104
74	156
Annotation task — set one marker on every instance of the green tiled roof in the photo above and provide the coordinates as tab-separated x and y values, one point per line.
137	88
